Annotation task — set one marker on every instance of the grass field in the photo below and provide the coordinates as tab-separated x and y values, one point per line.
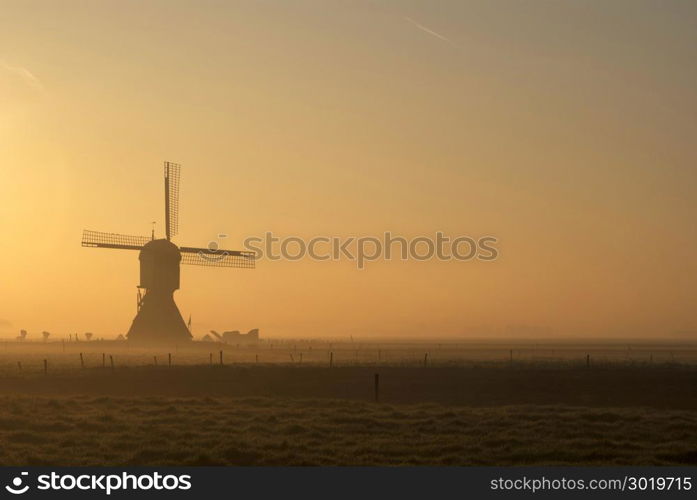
451	410
272	431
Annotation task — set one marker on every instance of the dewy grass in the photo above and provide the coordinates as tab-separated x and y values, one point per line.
468	405
85	430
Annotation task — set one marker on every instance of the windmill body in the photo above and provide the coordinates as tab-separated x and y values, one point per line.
158	319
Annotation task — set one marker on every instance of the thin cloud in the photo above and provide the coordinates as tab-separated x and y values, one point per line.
29	78
426	30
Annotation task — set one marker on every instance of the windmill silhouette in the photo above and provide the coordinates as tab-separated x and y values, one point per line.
158	319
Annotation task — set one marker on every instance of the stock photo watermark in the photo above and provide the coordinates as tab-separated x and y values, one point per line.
364	249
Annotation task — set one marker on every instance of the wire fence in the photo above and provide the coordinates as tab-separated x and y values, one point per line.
36	356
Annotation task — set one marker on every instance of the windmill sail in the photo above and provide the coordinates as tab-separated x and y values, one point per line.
98	239
171	199
219	258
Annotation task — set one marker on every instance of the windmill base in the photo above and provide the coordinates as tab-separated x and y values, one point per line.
158	321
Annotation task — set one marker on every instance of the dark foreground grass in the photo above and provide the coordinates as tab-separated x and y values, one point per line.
658	387
514	414
93	430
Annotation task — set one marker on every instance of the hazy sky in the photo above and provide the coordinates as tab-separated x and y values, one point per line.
566	129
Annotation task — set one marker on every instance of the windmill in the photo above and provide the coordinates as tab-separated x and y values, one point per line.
158	319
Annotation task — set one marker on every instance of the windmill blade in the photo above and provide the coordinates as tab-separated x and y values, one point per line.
171	199
97	239
219	258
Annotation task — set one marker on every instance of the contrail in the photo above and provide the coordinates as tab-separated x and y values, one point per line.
424	28
26	76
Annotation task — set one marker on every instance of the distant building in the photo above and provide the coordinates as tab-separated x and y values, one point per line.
235	337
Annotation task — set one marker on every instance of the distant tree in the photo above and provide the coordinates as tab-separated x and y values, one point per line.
46	335
88	335
22	335
120	337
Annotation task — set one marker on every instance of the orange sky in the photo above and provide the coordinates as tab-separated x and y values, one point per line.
564	129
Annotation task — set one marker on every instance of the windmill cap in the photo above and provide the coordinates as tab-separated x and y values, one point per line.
162	247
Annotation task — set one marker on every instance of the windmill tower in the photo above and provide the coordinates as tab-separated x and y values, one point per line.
158	319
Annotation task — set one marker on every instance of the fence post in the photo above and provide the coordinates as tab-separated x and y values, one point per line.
82	361
588	360
426	359
331	359
111	360
256	357
154	358
221	358
377	387
210	358
169	359
19	365
103	360
45	367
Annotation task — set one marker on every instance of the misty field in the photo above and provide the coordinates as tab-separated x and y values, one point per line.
620	405
64	353
264	431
